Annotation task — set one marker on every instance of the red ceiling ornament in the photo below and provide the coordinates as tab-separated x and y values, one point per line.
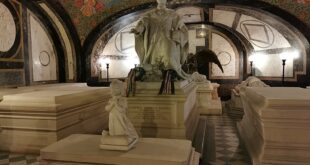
89	7
303	1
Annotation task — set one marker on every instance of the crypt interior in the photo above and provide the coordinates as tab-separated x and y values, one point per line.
57	58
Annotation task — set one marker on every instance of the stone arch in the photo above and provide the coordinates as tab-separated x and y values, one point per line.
42	17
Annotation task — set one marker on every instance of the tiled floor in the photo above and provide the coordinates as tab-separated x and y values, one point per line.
17	159
221	145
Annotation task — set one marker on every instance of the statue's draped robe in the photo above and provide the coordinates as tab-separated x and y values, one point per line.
162	39
119	124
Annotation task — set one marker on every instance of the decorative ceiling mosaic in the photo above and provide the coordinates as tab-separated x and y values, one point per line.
299	8
92	12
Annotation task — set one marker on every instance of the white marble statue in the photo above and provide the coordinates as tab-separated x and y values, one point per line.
196	77
251	81
122	134
161	40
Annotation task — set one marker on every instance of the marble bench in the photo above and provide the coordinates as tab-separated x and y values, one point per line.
41	115
82	149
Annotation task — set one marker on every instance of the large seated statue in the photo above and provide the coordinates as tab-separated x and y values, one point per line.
162	107
161	41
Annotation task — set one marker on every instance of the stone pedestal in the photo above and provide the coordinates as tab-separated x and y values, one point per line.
165	116
208	101
275	127
84	149
34	119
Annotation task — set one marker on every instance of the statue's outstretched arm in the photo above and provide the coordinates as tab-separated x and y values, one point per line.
110	106
139	29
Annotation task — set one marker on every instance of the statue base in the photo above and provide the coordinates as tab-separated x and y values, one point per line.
118	143
83	149
164	116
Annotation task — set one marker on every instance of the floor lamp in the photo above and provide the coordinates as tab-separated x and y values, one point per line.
103	61
291	55
251	59
108	71
251	65
283	70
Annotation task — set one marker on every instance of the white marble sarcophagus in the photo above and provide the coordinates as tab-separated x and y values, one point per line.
35	118
276	125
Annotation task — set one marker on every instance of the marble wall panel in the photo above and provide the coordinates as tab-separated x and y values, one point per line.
225	51
70	54
7	29
261	35
43	55
191	14
11	55
119	52
194	42
270	65
12	78
223	17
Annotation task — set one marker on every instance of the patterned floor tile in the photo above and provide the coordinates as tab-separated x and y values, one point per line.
17	159
223	146
4	161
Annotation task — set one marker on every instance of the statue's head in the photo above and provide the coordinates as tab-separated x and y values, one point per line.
161	1
116	87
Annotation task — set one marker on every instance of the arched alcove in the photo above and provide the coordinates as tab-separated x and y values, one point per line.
270	37
100	36
116	44
35	17
236	25
11	56
71	32
66	40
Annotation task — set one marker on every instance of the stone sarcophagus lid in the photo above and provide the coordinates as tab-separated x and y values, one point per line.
33	119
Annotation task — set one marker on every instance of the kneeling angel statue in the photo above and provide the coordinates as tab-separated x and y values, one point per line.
122	134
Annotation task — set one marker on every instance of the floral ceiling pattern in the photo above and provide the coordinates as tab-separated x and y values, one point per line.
87	14
299	8
89	7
